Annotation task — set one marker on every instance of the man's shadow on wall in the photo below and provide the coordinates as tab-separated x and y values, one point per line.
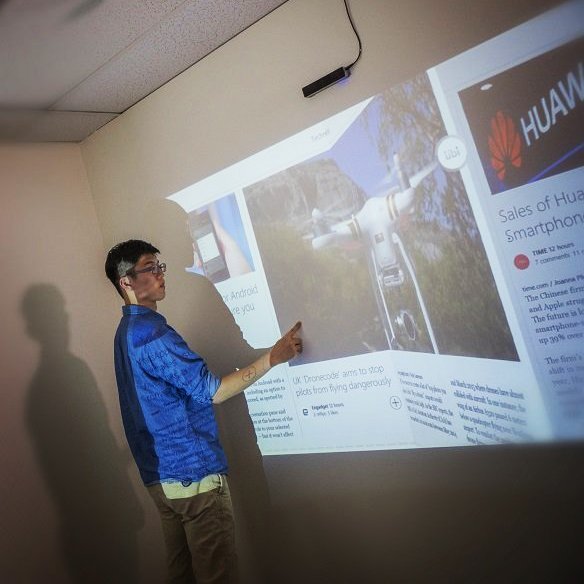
85	470
196	309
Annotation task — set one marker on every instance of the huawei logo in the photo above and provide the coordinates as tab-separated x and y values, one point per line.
504	145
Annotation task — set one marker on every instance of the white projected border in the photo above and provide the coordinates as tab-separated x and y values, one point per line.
289	152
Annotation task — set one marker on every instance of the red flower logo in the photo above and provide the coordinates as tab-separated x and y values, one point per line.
504	145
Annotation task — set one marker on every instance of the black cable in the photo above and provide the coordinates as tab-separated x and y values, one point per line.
356	34
338	74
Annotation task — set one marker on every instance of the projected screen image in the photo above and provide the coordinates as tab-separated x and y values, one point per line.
434	313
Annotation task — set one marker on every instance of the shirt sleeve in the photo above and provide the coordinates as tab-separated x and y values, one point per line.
169	358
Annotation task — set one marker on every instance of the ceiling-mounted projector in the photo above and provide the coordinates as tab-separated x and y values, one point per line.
326	81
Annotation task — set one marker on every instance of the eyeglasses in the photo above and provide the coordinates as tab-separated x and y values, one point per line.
156	269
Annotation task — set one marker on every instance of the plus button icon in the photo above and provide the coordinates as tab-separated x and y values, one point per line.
395	402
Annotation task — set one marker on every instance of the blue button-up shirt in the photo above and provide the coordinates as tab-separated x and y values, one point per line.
165	395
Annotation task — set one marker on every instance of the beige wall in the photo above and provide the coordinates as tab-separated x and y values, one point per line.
69	496
247	95
451	515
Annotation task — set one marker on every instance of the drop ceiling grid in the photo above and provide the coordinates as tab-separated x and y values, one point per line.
191	32
69	66
45	52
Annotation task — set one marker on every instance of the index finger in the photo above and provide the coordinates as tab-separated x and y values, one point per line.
295	328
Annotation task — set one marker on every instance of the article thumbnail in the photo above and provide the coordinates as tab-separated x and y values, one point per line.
527	121
374	246
220	246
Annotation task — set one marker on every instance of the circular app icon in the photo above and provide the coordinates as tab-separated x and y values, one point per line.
451	153
521	261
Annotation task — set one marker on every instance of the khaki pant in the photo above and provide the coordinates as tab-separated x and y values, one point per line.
198	532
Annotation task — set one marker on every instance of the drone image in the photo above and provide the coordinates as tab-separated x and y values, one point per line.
375	246
376	226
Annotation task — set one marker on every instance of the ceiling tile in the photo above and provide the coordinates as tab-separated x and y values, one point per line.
48	47
166	50
61	57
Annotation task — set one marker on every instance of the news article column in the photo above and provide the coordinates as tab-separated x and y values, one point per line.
522	130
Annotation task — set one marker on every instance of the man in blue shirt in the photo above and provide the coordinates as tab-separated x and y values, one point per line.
166	398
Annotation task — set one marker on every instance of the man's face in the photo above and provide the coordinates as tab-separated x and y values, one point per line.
147	287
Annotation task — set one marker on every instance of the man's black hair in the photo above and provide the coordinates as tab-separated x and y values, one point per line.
123	257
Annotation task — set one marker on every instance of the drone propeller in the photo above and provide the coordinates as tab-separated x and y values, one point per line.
417	178
394	183
396	180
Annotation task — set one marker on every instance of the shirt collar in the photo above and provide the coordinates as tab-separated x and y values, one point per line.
128	309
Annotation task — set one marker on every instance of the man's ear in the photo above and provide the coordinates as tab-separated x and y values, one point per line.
125	283
128	290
